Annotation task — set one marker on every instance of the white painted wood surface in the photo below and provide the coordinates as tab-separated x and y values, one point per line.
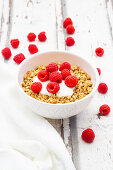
93	21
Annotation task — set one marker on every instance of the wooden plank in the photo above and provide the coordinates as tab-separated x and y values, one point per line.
33	17
60	13
4	23
1	17
93	30
109	7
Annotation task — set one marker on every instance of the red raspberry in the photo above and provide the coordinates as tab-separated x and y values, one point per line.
88	135
67	21
104	110
43	75
42	36
70	29
65	65
6	52
15	43
52	67
36	87
32	48
53	87
19	58
99	71
71	81
70	41
102	88
99	51
65	73
31	36
55	77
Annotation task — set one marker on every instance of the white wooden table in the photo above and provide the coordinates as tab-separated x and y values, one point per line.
93	21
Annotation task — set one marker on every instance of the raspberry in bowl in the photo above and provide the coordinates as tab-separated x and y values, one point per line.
57	84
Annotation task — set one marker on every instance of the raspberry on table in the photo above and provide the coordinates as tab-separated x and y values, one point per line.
70	29
67	21
31	36
42	36
70	41
53	87
99	51
71	81
43	75
65	73
15	43
65	65
88	135
36	87
32	48
19	58
52	67
104	110
6	52
102	88
99	71
55	77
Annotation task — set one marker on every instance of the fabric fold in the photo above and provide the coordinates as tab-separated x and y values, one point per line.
26	133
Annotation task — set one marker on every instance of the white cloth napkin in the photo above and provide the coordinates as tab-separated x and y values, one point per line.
27	141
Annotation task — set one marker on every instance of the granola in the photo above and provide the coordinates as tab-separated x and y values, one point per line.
82	89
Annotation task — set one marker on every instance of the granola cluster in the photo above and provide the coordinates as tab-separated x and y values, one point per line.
83	88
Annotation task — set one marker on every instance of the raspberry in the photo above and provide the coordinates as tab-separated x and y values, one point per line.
65	73
67	21
70	29
31	36
32	48
99	51
88	135
99	71
6	52
36	87
15	43
53	87
55	77
43	75
70	41
102	88
65	65
19	58
71	81
104	110
52	67
42	36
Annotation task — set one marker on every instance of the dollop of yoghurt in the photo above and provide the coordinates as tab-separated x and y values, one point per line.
64	90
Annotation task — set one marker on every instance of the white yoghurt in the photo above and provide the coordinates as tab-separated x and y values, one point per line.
64	90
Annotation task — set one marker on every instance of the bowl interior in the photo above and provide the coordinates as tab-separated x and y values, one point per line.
48	57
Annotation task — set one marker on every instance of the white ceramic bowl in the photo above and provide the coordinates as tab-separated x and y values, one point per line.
57	111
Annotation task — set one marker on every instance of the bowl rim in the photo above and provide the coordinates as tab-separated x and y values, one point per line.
66	52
